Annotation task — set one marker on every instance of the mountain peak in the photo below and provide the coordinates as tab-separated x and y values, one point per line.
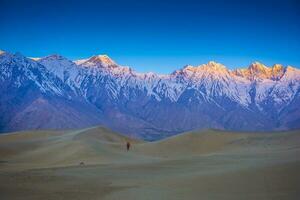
101	59
277	66
211	65
2	52
188	67
210	68
258	71
54	57
257	67
214	65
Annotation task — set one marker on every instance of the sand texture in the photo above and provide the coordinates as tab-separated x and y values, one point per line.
93	164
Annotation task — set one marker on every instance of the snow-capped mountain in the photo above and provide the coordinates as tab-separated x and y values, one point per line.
146	105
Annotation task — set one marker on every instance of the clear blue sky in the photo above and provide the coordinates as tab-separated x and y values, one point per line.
158	36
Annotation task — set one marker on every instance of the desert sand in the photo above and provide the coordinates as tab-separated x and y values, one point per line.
93	164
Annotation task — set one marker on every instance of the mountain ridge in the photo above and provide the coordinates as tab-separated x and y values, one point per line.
149	105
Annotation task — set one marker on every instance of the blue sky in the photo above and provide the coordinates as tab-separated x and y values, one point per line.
158	36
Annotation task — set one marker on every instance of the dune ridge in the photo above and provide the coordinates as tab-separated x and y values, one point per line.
93	163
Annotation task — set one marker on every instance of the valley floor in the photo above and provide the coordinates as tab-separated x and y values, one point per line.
209	165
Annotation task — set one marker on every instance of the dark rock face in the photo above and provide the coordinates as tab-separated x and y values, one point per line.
56	93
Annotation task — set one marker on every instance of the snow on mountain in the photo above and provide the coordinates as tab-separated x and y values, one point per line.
64	69
2	52
258	71
34	96
80	61
215	80
148	104
35	59
287	87
98	61
23	69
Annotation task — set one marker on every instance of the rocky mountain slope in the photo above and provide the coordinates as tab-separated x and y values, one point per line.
54	93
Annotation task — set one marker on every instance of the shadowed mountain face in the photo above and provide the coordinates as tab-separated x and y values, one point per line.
56	93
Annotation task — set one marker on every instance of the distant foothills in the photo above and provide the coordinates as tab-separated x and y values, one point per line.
54	92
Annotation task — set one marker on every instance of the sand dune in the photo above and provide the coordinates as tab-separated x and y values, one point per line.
53	149
195	165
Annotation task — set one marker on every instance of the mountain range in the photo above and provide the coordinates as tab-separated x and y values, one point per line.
54	92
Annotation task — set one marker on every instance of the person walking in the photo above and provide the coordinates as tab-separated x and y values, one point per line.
128	146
